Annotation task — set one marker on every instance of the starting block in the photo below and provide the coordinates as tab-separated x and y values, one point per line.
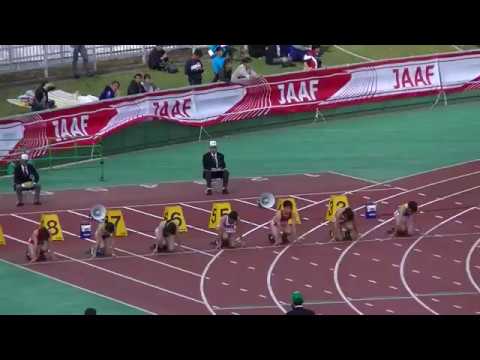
52	223
295	214
2	237
116	217
176	213
218	211
336	202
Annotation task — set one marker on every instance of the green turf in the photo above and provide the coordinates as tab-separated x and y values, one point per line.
25	293
391	51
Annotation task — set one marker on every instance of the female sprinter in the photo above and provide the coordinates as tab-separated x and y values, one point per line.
343	226
38	248
104	241
166	237
228	230
280	228
404	219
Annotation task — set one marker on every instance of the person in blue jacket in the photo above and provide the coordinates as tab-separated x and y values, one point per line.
217	63
110	91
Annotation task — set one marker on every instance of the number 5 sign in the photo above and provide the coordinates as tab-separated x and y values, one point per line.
336	202
218	211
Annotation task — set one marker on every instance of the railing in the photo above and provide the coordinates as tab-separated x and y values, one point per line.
14	58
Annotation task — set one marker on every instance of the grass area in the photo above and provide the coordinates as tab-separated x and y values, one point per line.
331	57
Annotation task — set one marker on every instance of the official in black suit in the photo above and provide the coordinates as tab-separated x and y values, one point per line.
26	178
297	305
214	168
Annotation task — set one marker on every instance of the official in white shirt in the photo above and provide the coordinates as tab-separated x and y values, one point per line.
26	178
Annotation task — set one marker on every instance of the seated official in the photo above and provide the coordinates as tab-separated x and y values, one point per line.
214	168
26	178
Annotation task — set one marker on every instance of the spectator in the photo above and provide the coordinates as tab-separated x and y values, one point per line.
311	59
26	178
226	50
110	91
90	311
194	68
82	50
136	86
147	84
217	63
225	74
40	100
297	305
158	59
244	71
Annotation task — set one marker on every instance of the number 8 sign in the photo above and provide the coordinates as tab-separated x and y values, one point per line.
336	202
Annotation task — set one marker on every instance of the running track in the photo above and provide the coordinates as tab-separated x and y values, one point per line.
436	272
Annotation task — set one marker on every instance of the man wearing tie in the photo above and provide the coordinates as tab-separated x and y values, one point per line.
214	168
26	178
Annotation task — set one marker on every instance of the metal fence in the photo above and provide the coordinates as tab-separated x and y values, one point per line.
14	58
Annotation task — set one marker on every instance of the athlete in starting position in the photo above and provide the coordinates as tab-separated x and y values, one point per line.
38	248
280	227
343	226
104	241
166	237
227	231
404	216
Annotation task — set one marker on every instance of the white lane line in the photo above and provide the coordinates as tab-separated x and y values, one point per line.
294	258
71	284
288	279
398	244
337	248
375	259
435	300
390	311
476	226
233	262
372	281
243	290
252	204
161	218
437	256
457	261
439	217
457	307
353	275
119	249
369	304
251	268
459	222
234	313
126	277
458	241
308	285
422	194
352	53
458	283
262	296
458	203
436	277
395	265
457	47
417	250
225	283
202	282
328	292
313	264
393	287
384	202
468	266
366	197
356	254
416	271
302	198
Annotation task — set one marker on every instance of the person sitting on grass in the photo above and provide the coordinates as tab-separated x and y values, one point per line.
227	231
147	84
104	241
343	225
38	248
165	237
404	219
110	91
136	86
282	226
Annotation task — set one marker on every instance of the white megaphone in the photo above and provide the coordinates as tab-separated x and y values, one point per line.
98	213
266	200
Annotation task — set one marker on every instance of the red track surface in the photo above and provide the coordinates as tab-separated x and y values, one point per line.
436	272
